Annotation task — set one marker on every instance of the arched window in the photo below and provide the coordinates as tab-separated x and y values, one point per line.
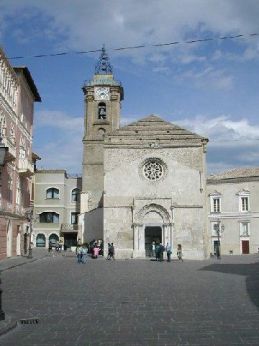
75	195
53	239
101	132
49	217
52	193
2	125
102	110
40	240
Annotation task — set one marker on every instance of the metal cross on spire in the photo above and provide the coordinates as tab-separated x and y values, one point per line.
103	66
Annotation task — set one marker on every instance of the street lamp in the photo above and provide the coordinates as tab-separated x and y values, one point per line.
29	216
3	151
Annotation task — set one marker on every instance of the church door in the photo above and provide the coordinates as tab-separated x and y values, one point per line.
152	233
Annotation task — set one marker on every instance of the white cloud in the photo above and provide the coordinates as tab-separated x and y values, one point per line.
222	128
209	78
86	24
231	143
59	141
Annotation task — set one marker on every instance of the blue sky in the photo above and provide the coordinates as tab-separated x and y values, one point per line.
210	88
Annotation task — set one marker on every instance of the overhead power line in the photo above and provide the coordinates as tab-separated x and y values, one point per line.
231	37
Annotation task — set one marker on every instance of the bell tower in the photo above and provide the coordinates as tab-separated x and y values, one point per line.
103	96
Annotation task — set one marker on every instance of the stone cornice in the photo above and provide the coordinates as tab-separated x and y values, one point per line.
232	180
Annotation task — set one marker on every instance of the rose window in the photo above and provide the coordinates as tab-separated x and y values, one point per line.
153	170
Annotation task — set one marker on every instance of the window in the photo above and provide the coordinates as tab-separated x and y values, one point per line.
10	190
75	195
215	202
40	240
216	205
244	203
52	193
244	229
153	170
74	218
49	217
101	110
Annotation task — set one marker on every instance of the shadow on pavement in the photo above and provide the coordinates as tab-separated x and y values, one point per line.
251	271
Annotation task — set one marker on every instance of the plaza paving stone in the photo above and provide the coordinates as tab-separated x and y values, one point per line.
133	302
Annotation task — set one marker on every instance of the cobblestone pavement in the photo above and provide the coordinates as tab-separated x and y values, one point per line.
133	302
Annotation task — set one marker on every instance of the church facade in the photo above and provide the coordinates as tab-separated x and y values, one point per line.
143	182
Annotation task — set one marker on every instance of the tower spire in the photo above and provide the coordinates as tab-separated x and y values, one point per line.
103	65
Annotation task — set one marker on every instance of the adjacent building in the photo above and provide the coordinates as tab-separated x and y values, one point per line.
233	200
56	208
17	96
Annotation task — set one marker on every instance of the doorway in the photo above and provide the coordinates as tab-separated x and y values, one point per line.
245	247
152	233
70	239
18	242
216	248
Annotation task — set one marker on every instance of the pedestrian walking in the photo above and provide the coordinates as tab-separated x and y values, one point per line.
79	253
112	252
50	247
161	252
180	252
84	253
168	252
153	249
96	251
157	252
109	252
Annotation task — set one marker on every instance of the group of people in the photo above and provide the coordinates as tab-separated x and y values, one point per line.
93	248
158	250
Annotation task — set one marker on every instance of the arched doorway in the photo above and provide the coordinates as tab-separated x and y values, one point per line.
40	240
53	238
152	234
152	223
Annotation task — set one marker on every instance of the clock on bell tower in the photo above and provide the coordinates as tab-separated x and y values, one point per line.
103	96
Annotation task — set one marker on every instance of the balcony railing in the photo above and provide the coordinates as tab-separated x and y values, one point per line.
11	153
68	227
25	167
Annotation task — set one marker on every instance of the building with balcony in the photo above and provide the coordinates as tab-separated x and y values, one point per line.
56	208
17	96
233	206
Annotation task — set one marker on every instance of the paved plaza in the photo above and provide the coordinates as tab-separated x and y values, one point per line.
133	302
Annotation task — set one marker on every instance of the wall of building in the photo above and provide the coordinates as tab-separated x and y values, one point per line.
181	192
62	205
16	120
231	217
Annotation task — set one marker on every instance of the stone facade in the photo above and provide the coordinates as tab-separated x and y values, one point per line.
154	187
142	182
233	200
56	208
17	96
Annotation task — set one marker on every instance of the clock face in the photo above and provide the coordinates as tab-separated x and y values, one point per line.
102	93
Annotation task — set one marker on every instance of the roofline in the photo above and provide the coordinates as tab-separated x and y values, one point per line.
29	80
8	63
